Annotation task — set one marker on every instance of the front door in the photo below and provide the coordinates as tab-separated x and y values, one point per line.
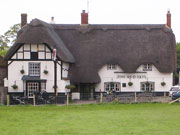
85	91
31	88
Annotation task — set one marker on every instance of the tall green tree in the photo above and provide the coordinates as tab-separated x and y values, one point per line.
178	54
8	38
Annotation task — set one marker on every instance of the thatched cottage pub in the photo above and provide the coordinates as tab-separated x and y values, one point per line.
94	58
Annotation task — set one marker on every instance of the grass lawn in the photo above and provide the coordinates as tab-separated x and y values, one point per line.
92	119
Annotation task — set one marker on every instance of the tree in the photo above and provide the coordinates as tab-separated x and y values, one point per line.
8	38
178	54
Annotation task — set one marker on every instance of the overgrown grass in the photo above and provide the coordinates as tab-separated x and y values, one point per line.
92	119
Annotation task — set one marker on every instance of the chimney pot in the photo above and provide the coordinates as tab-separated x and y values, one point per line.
52	20
84	17
168	19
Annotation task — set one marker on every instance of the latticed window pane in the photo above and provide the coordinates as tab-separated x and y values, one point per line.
32	87
34	69
43	86
115	86
147	86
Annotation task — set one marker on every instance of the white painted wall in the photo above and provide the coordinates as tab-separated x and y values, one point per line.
14	75
152	76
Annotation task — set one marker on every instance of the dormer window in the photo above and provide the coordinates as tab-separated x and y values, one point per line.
147	67
111	67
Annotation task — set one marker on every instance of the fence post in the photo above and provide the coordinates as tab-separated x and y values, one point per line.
135	97
164	96
34	100
67	102
101	97
8	100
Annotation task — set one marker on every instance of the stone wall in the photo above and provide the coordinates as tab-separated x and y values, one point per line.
3	74
3	94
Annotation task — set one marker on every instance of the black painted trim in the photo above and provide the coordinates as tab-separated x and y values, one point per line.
61	70
55	76
10	62
23	51
30	60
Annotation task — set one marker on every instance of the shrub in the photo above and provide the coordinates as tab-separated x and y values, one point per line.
70	87
45	72
14	86
130	83
163	83
147	83
22	71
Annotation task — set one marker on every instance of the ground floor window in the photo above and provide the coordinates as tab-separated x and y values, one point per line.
112	86
32	87
147	86
43	86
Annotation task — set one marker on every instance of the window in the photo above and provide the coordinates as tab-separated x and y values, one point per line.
147	86
124	85
112	86
34	69
111	66
147	67
34	55
32	87
43	86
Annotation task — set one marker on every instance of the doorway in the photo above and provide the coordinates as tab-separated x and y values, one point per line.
85	91
31	88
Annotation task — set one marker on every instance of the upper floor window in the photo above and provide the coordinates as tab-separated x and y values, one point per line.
34	69
147	67
34	55
111	66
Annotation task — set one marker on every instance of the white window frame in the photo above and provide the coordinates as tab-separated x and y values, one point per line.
145	87
112	86
43	86
34	69
32	87
147	67
111	66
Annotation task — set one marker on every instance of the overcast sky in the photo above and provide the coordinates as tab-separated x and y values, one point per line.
100	12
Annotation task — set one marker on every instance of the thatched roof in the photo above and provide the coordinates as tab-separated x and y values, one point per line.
93	46
38	32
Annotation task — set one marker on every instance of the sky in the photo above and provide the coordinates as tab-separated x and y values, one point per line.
100	12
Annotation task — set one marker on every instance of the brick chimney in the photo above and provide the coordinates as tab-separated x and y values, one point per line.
168	19
23	19
84	17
